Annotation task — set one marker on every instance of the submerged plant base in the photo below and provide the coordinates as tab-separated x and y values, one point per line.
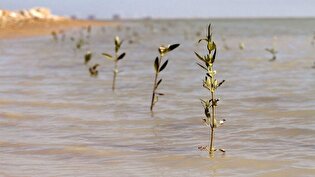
206	148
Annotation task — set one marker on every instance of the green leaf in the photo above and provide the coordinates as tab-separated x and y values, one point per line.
163	66
202	66
207	112
213	56
204	103
107	56
209	32
87	57
221	83
121	56
158	83
117	41
163	50
211	46
95	66
202	40
156	65
93	70
117	44
161	94
172	47
156	99
199	57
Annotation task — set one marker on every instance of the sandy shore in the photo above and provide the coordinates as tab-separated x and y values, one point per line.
45	27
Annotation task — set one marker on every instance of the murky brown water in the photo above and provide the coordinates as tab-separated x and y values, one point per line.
55	120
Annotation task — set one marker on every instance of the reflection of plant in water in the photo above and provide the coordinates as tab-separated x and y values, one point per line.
273	52
211	84
158	67
115	58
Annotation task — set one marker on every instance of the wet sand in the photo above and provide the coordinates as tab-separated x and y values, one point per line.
45	27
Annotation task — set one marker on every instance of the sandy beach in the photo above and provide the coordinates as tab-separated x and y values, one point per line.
45	27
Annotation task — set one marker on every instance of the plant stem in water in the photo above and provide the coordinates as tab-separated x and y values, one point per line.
154	84
114	76
211	148
153	92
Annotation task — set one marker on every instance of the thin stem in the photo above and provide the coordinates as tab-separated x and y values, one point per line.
114	76
212	127
153	92
115	71
154	85
211	148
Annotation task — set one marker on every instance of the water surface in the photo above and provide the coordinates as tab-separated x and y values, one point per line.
55	120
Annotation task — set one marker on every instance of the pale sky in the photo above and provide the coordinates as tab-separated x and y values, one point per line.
171	8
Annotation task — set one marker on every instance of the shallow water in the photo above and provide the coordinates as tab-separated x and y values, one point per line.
55	120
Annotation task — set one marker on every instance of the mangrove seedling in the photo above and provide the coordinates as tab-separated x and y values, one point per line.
273	53
158	67
241	45
117	57
54	35
87	57
94	70
211	84
79	44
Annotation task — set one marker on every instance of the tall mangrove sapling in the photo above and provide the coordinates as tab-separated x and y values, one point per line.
211	84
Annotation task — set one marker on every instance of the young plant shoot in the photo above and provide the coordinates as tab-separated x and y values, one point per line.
273	53
94	70
54	35
211	84
115	58
159	67
87	57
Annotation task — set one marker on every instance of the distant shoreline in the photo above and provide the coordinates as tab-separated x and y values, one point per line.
46	27
220	18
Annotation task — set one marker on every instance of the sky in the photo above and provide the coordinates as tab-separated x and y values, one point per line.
105	9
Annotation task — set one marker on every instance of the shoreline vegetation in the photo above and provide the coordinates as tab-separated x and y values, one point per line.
39	22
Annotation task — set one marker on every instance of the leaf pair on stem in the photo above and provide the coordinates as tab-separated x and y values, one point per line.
159	67
116	57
